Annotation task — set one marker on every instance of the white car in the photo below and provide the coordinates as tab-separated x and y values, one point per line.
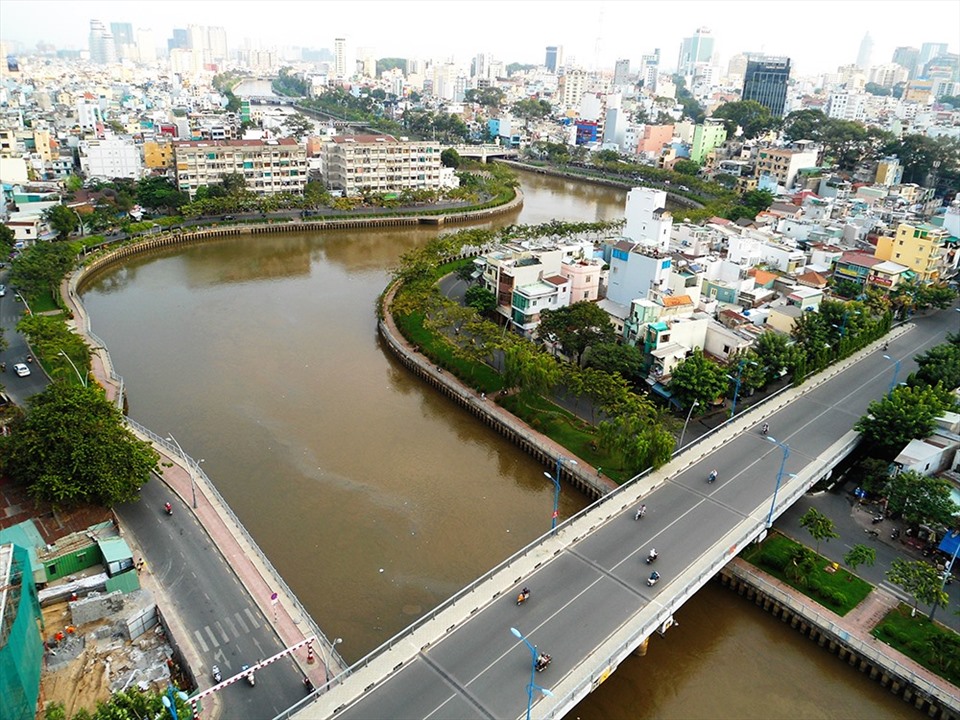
3	289
21	369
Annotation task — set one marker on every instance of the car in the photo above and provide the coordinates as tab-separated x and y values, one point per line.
3	289
21	370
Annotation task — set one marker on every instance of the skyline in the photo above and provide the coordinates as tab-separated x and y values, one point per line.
520	31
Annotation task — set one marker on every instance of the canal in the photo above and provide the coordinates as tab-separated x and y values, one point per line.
375	497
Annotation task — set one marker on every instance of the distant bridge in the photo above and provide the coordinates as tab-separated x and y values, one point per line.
482	152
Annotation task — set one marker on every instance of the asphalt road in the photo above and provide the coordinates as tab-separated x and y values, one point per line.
224	622
18	388
588	591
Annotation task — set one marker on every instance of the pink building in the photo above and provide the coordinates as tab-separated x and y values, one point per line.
584	276
654	138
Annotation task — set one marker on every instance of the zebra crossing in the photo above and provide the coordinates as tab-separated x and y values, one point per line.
214	636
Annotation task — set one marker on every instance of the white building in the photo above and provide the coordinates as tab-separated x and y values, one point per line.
110	158
844	105
647	220
381	163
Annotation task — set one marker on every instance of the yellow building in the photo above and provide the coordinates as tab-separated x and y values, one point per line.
158	154
920	248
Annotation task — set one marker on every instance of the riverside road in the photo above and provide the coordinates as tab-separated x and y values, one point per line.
595	586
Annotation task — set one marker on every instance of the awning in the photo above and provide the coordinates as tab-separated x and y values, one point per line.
909	274
950	542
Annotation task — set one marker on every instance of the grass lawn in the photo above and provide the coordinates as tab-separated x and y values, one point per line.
935	647
42	302
841	591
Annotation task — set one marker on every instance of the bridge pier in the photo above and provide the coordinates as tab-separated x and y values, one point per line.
642	648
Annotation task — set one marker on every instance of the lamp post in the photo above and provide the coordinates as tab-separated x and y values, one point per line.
326	665
556	490
776	489
533	672
736	391
83	379
685	422
169	700
186	461
896	372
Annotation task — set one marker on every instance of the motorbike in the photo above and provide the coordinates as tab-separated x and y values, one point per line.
217	677
307	685
712	477
641	511
871	532
652	557
878	518
523	596
895	534
250	678
542	661
29	358
3	367
653	579
765	429
168	508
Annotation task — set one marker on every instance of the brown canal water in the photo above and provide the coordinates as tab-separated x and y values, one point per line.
375	497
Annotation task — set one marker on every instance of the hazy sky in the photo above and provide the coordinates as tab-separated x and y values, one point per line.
818	35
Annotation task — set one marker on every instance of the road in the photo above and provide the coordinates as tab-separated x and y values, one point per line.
224	623
586	592
18	388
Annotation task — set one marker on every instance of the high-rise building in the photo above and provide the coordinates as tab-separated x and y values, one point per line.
479	68
340	58
766	82
180	40
693	50
217	42
906	57
554	59
928	51
122	33
621	72
650	69
146	46
866	50
102	48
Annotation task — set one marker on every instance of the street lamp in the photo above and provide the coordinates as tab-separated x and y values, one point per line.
684	431
736	391
776	489
186	461
896	371
169	700
83	379
533	672
326	665
556	486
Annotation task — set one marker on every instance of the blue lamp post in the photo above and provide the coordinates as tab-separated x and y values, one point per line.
736	390
533	672
169	700
946	574
776	489
896	372
556	488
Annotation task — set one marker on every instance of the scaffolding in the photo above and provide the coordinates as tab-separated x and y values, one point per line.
21	639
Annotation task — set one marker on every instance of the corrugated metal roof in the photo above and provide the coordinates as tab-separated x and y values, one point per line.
114	549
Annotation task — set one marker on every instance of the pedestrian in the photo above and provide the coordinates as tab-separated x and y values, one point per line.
483	396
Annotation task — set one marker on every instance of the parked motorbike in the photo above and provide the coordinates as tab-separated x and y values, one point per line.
895	534
217	677
871	532
878	518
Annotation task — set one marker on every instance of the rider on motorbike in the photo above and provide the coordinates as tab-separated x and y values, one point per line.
641	511
653	555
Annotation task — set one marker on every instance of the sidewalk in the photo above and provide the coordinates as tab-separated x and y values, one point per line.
279	607
854	627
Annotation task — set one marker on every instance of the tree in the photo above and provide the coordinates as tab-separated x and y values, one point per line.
489	97
450	158
686	167
906	413
611	358
639	438
62	220
940	364
159	193
754	119
871	474
819	526
72	447
480	299
41	267
800	565
531	109
698	378
919	579
577	327
775	354
7	239
531	371
921	499
297	126
860	555
233	184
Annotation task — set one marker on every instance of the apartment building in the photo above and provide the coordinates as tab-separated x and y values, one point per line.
381	163
921	248
268	166
158	155
783	164
110	158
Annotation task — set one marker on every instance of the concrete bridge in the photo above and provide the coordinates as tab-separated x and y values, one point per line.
591	606
482	152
